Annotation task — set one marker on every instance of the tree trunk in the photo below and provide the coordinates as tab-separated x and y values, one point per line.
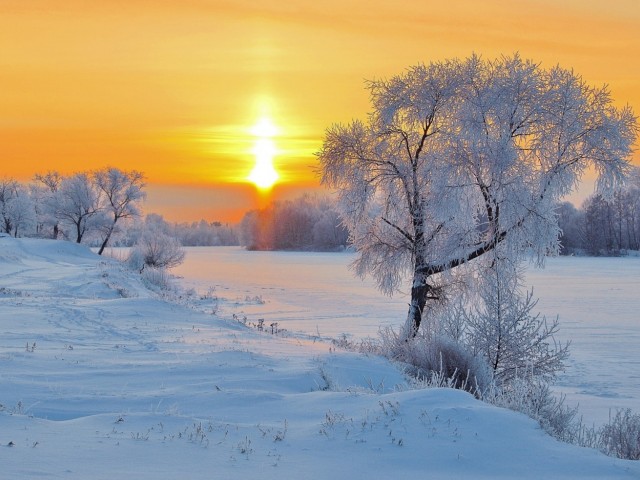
106	239
419	294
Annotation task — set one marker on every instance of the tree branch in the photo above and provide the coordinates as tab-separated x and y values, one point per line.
402	231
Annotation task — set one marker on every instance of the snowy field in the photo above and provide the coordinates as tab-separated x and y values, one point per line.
596	299
102	378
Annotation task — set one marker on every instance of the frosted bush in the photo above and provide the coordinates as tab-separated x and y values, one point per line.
621	436
532	396
427	355
438	361
157	250
157	277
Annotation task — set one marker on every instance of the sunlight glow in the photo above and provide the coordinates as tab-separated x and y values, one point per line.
264	175
264	128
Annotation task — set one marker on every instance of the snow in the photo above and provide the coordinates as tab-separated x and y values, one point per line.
598	305
102	377
596	300
311	292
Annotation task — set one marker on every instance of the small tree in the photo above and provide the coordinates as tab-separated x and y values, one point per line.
502	328
122	192
460	157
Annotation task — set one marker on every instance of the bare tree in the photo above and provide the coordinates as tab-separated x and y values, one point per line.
459	157
122	192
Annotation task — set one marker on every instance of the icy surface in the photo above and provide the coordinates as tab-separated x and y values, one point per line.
102	378
598	302
311	292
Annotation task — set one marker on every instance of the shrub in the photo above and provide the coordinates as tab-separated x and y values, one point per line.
157	277
621	436
157	250
427	355
532	396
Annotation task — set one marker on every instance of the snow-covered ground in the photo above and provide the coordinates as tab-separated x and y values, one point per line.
596	299
102	378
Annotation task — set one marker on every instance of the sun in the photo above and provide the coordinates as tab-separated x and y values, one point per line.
264	175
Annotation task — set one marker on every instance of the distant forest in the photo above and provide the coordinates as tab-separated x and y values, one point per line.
603	226
78	208
194	234
306	223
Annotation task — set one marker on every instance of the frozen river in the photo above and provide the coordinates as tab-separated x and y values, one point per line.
597	300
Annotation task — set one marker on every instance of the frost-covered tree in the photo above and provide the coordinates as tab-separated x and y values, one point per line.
8	192
461	156
598	225
257	229
43	193
633	210
77	205
612	224
17	213
122	191
328	231
21	212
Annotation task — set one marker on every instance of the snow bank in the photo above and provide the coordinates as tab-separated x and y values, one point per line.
102	378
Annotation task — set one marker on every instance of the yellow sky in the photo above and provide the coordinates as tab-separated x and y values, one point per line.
173	88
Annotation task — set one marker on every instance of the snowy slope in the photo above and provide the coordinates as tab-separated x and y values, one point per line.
102	378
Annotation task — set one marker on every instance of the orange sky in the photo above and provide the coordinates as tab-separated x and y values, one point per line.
172	88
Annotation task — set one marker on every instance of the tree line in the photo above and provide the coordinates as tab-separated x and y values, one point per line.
87	204
603	225
306	223
101	207
194	234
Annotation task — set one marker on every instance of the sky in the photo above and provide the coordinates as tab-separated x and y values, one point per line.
176	89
